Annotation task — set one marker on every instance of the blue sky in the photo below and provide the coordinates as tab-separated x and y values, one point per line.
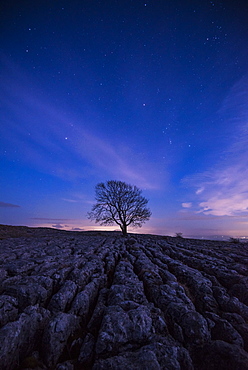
152	93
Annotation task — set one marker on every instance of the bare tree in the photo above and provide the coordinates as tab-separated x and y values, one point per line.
119	203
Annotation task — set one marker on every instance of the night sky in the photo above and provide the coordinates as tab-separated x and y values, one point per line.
153	93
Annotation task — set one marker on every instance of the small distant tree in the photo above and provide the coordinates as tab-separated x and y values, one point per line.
179	235
119	203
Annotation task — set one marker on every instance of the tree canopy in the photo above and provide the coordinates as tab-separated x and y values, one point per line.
119	203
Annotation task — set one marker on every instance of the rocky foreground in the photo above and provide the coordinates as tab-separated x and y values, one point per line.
100	301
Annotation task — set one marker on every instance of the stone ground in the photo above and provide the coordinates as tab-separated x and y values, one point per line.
72	300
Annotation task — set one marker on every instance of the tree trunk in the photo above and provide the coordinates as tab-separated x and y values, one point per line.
124	229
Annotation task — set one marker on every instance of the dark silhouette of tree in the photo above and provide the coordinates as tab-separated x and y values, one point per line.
119	203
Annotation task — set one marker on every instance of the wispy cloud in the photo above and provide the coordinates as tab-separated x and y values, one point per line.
187	205
52	219
70	200
78	198
200	190
55	141
227	194
223	189
57	223
8	205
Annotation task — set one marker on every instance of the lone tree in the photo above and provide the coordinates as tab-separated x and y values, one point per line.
120	203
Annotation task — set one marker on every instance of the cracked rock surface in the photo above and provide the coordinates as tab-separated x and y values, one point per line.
71	300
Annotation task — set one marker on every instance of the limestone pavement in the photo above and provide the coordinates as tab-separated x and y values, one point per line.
101	301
